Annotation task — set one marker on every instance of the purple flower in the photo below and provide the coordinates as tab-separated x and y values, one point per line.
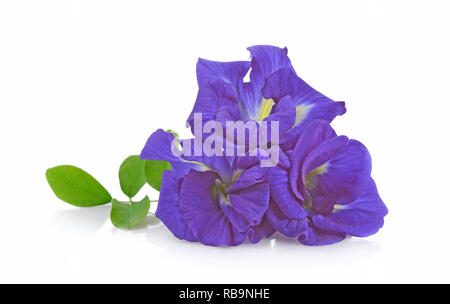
323	190
214	200
274	93
318	189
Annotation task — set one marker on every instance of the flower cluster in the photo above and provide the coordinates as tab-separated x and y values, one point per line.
320	189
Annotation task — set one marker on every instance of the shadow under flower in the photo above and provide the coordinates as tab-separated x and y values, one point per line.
277	252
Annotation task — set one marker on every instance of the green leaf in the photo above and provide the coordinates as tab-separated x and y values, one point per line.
154	170
76	187
131	175
128	214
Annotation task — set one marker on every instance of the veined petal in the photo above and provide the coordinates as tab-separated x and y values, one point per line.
345	167
247	178
247	207
229	72
305	114
309	103
158	147
227	113
263	230
291	227
247	161
313	237
239	222
282	195
265	61
168	210
285	82
284	161
313	135
362	217
252	202
284	113
250	101
217	163
211	99
203	214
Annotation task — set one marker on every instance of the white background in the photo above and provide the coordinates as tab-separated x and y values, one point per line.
86	82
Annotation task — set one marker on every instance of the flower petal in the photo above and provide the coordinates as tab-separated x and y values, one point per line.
284	113
227	113
263	230
203	214
361	218
291	227
250	100
285	82
251	203
282	195
247	161
266	60
217	163
158	147
314	134
248	178
211	99
168	210
230	72
239	222
341	170
313	237
309	103
284	161
305	115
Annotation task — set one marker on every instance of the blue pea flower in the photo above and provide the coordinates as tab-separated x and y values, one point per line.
213	200
319	190
274	93
324	191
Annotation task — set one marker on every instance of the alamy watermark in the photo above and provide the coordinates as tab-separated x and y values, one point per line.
238	138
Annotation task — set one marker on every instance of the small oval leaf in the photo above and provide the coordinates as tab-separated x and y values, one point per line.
127	215
131	175
77	187
154	170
